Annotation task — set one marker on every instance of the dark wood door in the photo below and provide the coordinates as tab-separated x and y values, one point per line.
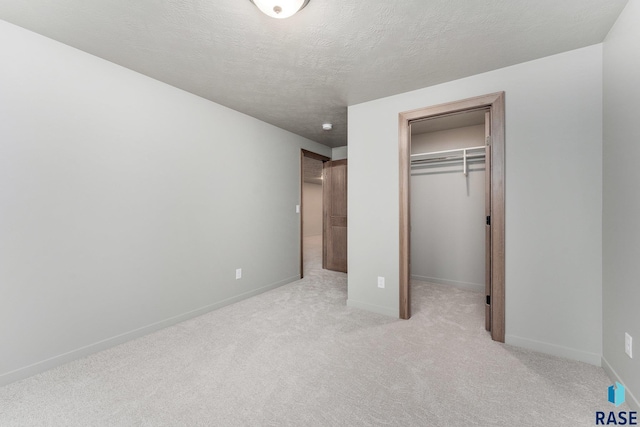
334	253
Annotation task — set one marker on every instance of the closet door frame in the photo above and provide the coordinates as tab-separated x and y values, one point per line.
496	105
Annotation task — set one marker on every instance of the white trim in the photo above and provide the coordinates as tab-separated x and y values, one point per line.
55	361
392	312
613	375
554	350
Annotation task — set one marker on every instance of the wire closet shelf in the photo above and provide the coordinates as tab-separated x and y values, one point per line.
457	154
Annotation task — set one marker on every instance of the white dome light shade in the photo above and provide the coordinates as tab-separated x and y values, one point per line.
280	8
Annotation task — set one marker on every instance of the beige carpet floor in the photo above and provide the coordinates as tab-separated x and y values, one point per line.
298	356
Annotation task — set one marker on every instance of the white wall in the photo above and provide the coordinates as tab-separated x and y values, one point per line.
339	153
621	204
127	204
447	212
553	198
312	209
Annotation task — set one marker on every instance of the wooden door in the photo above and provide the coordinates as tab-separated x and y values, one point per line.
487	212
334	242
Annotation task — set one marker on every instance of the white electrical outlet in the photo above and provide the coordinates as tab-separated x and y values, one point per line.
628	345
380	282
297	208
238	273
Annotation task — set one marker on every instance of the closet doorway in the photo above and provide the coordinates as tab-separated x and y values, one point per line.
456	147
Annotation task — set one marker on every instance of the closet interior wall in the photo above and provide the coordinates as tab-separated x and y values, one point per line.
447	211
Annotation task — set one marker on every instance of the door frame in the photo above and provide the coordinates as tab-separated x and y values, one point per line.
496	105
306	153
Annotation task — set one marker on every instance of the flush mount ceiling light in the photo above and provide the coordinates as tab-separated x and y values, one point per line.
280	8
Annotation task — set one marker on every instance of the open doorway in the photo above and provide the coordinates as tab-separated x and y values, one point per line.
448	202
311	211
434	129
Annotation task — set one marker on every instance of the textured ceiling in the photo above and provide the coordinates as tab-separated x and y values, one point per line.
300	72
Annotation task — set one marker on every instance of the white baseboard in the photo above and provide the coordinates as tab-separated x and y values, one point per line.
554	350
373	308
461	285
61	359
631	399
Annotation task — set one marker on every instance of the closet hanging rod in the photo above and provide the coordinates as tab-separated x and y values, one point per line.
449	151
446	159
464	156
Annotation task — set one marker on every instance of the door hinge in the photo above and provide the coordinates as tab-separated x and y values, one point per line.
488	299
488	140
488	220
